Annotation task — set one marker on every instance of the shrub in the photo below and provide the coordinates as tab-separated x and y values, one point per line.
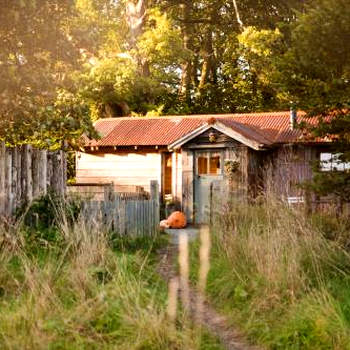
44	211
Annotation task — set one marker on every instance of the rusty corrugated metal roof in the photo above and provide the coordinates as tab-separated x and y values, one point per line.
266	128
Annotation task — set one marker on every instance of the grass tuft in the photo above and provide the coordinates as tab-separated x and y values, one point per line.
283	277
73	286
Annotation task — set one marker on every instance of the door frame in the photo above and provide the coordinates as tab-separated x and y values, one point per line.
205	151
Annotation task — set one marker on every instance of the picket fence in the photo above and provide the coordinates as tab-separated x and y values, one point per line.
125	215
27	173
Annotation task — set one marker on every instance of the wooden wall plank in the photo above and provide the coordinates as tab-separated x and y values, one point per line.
122	169
187	183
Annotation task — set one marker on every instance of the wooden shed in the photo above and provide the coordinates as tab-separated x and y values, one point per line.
197	157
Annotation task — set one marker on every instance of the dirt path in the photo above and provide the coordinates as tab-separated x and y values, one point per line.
217	324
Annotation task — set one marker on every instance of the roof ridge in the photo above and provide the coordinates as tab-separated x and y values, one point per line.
189	116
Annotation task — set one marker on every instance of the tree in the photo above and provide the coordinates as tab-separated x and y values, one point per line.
36	58
315	73
111	58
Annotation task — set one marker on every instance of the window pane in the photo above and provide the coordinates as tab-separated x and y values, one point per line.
326	161
202	165
215	166
331	161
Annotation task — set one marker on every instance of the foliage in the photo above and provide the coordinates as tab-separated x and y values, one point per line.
44	211
36	59
308	65
318	73
139	56
283	277
81	292
88	59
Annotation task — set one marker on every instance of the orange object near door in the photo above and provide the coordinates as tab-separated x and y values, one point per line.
177	220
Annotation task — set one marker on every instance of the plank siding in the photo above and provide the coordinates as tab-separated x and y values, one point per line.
240	154
203	139
287	167
177	176
121	169
187	183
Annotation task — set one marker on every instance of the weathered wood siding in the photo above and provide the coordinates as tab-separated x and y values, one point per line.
177	176
287	167
238	153
232	150
127	169
203	140
187	183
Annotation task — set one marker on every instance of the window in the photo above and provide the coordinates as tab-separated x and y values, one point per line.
202	165
331	161
214	165
209	165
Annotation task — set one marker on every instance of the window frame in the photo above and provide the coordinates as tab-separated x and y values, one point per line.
208	155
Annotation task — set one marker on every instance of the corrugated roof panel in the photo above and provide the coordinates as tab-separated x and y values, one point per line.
266	128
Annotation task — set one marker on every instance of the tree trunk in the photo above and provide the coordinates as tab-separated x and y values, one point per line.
135	14
195	69
185	88
207	53
209	73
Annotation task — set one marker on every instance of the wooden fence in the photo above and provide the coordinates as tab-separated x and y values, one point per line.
126	215
103	191
26	173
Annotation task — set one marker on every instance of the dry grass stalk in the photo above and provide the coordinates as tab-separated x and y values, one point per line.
184	269
204	266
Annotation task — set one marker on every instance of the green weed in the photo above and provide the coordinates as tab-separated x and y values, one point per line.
281	276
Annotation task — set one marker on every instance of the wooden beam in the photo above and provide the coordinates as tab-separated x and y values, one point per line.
223	129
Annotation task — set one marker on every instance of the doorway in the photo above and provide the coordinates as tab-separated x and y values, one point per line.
167	174
208	177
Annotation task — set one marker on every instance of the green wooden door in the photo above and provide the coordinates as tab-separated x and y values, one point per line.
208	178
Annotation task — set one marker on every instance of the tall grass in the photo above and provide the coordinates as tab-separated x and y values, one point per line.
278	274
82	290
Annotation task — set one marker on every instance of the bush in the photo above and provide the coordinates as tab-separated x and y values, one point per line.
44	211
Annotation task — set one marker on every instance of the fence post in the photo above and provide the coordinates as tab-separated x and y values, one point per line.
43	160
8	182
36	172
27	180
155	197
108	192
2	177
